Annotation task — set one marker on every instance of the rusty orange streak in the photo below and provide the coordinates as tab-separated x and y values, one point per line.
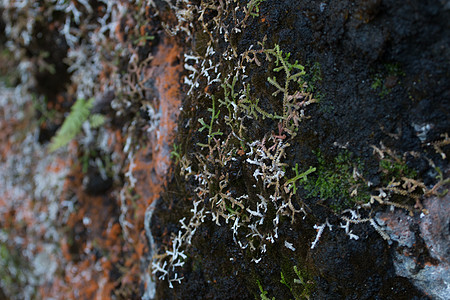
166	69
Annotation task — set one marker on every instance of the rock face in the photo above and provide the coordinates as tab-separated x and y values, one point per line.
421	252
361	136
246	149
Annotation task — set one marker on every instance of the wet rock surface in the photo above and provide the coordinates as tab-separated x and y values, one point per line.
384	78
421	246
324	185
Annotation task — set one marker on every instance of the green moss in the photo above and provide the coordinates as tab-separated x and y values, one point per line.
253	7
214	116
337	181
395	169
263	294
297	279
175	154
383	80
291	183
303	284
314	77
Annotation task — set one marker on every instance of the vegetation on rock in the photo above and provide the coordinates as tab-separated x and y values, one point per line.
243	149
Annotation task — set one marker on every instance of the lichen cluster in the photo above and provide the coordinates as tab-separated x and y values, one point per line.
98	92
80	64
244	133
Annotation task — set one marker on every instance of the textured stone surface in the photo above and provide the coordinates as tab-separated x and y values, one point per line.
422	248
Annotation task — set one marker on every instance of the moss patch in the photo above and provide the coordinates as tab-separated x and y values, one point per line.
339	182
